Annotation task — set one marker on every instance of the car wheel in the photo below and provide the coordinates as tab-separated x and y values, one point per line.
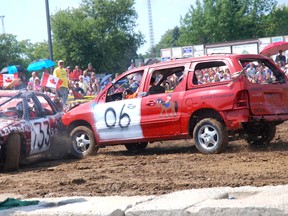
83	142
136	147
12	156
261	137
210	136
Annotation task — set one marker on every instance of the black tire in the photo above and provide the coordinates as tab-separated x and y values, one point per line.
210	136
136	147
12	155
83	142
261	137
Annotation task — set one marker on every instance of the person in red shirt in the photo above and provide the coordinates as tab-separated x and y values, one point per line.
76	73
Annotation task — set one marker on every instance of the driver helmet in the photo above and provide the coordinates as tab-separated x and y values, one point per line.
19	108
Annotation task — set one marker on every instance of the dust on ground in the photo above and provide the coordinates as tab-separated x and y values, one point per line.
161	169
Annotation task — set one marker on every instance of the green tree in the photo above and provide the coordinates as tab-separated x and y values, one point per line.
11	51
169	39
192	26
39	50
216	21
276	22
99	31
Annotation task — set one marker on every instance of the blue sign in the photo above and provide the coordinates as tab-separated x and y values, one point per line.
187	51
164	59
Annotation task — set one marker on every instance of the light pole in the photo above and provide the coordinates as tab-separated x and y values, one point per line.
49	30
3	29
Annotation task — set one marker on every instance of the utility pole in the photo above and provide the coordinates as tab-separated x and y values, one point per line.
151	32
3	29
49	30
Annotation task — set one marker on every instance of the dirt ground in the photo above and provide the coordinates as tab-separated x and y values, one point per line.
162	168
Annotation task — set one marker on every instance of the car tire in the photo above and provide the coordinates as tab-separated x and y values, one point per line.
210	136
262	137
83	142
136	147
12	156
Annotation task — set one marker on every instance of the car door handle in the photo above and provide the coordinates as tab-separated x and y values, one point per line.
150	103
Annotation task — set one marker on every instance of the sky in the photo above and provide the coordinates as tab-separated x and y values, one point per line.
27	18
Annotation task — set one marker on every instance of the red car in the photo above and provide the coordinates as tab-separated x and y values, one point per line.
212	99
29	123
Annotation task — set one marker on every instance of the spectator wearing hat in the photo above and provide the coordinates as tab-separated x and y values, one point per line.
61	73
90	70
281	58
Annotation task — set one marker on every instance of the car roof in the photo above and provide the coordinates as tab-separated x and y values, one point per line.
8	93
11	93
202	58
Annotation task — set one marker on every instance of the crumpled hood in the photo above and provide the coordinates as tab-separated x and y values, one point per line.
8	125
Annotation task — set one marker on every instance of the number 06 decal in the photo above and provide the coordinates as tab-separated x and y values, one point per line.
108	124
124	118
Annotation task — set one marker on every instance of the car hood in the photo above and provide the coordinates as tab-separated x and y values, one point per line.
80	112
8	125
5	122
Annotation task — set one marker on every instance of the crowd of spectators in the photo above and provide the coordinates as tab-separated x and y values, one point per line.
259	73
84	82
210	75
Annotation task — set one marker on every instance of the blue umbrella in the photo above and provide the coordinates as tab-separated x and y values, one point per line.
105	78
39	64
12	69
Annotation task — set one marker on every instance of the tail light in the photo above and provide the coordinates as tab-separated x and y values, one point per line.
242	99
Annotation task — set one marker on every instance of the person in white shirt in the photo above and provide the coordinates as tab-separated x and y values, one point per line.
83	84
32	80
85	76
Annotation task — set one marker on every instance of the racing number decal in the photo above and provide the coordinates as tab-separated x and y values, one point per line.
40	137
43	132
118	119
109	123
124	118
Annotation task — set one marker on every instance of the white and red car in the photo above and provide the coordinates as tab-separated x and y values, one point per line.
184	103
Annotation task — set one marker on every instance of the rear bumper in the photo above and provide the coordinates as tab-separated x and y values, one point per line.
270	118
234	118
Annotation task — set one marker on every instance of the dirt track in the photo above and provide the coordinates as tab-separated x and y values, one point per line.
163	168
